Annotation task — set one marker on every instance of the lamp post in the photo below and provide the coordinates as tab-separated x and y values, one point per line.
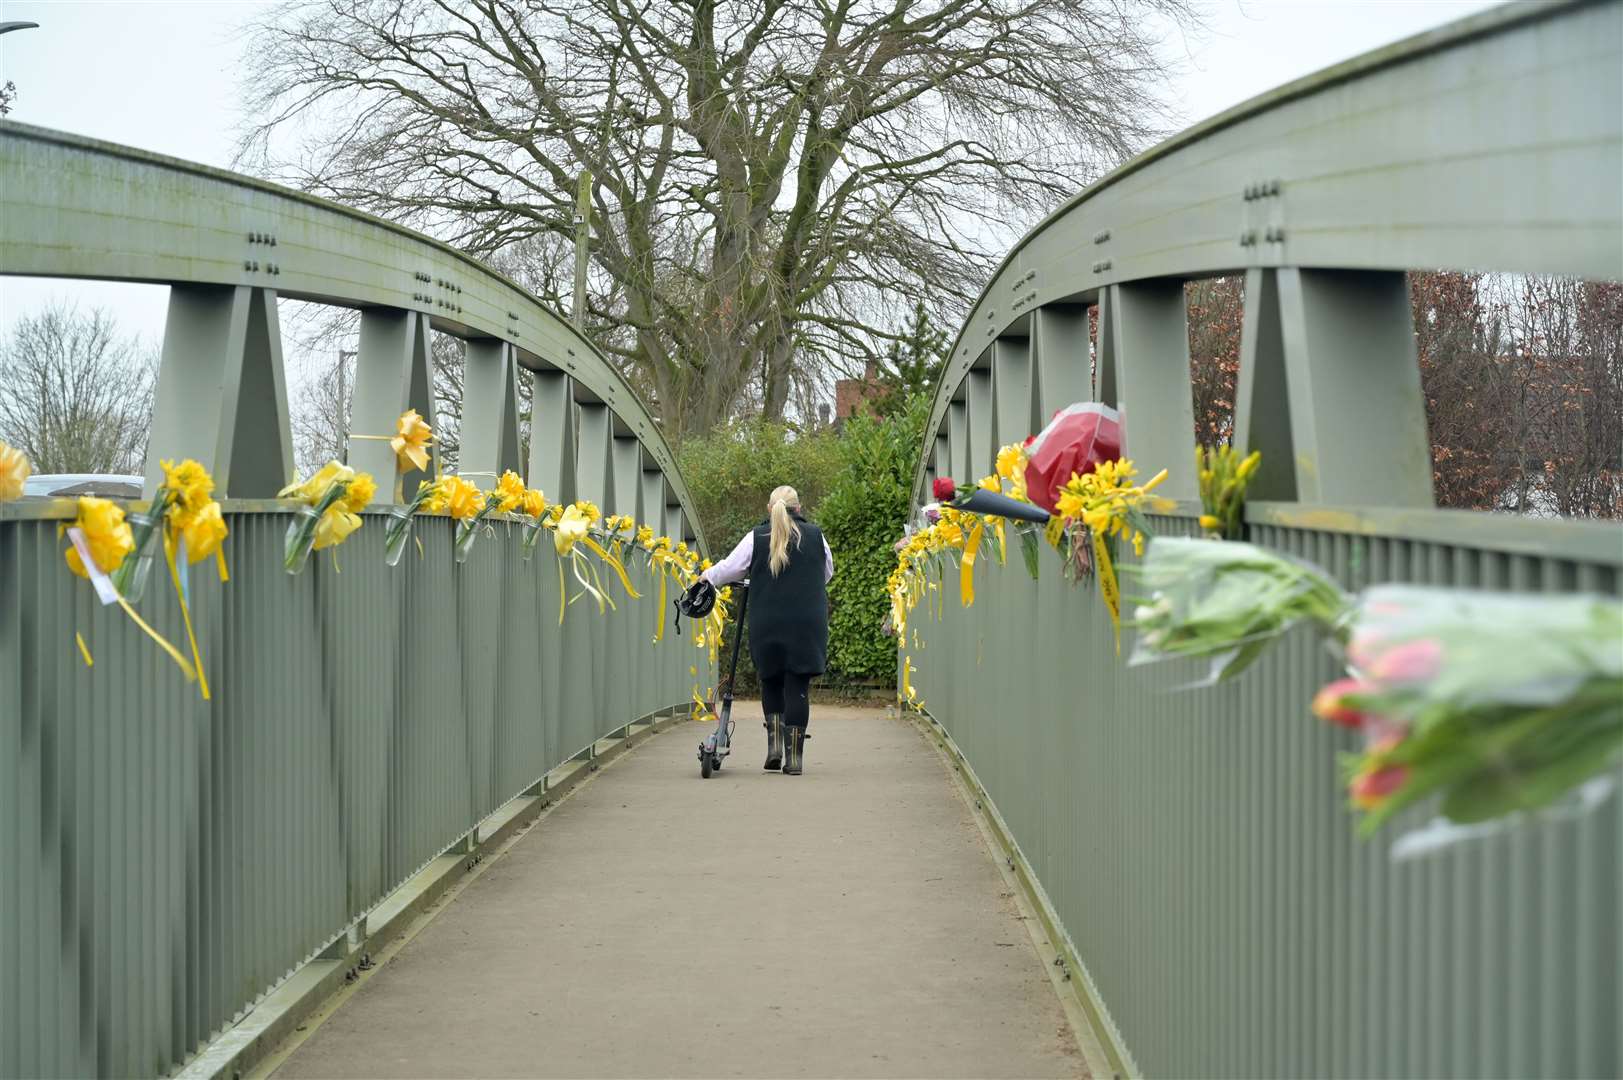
8	27
343	408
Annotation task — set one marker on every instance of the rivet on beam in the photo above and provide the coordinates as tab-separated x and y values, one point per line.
1101	236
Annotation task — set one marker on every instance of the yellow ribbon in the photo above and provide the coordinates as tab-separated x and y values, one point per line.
563	590
1107	584
966	568
575	559
659	613
163	643
612	561
174	653
84	650
185	612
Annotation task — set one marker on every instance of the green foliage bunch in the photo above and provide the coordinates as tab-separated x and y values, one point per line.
862	515
731	471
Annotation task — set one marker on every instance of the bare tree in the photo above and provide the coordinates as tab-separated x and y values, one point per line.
75	396
1216	309
773	181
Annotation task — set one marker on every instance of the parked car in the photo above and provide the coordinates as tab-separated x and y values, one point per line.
71	485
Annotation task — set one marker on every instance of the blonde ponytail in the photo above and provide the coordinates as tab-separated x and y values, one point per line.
783	527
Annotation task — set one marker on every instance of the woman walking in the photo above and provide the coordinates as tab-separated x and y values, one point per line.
788	564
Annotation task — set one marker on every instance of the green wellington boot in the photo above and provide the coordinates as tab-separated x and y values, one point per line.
774	741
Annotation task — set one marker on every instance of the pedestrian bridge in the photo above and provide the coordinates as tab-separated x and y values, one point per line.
405	837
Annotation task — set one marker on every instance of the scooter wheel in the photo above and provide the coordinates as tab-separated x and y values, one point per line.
715	763
704	766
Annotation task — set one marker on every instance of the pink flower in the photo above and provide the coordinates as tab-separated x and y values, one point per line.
943	489
1330	703
1361	650
1370	789
1413	661
1382	733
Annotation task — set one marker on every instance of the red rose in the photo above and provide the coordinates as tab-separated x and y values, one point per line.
944	489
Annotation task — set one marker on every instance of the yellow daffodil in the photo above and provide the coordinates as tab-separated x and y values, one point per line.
459	498
106	533
359	493
589	510
509	493
203	531
645	536
14	469
410	443
335	526
572	526
554	513
189	488
533	503
315	488
1008	458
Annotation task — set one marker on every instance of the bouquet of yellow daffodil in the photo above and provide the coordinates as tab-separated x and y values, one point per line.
1106	506
397	530
100	542
571	531
618	528
1224	476
331	502
14	470
507	497
534	506
194	529
185	509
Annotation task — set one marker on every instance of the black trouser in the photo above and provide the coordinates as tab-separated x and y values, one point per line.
786	694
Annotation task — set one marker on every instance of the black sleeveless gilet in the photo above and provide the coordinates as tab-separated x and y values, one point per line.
788	613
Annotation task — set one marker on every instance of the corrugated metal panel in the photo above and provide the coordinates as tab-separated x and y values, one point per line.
1196	844
169	861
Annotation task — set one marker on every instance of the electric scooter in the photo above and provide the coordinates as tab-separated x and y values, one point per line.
718	744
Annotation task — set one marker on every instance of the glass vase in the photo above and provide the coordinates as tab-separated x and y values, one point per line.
132	574
396	534
301	537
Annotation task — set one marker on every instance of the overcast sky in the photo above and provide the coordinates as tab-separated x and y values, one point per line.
159	75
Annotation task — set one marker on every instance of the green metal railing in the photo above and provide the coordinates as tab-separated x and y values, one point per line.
170	861
1193	845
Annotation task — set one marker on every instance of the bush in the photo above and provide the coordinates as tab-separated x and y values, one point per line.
731	472
856	486
862	515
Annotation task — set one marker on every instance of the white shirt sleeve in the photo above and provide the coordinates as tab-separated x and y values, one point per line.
736	566
828	562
